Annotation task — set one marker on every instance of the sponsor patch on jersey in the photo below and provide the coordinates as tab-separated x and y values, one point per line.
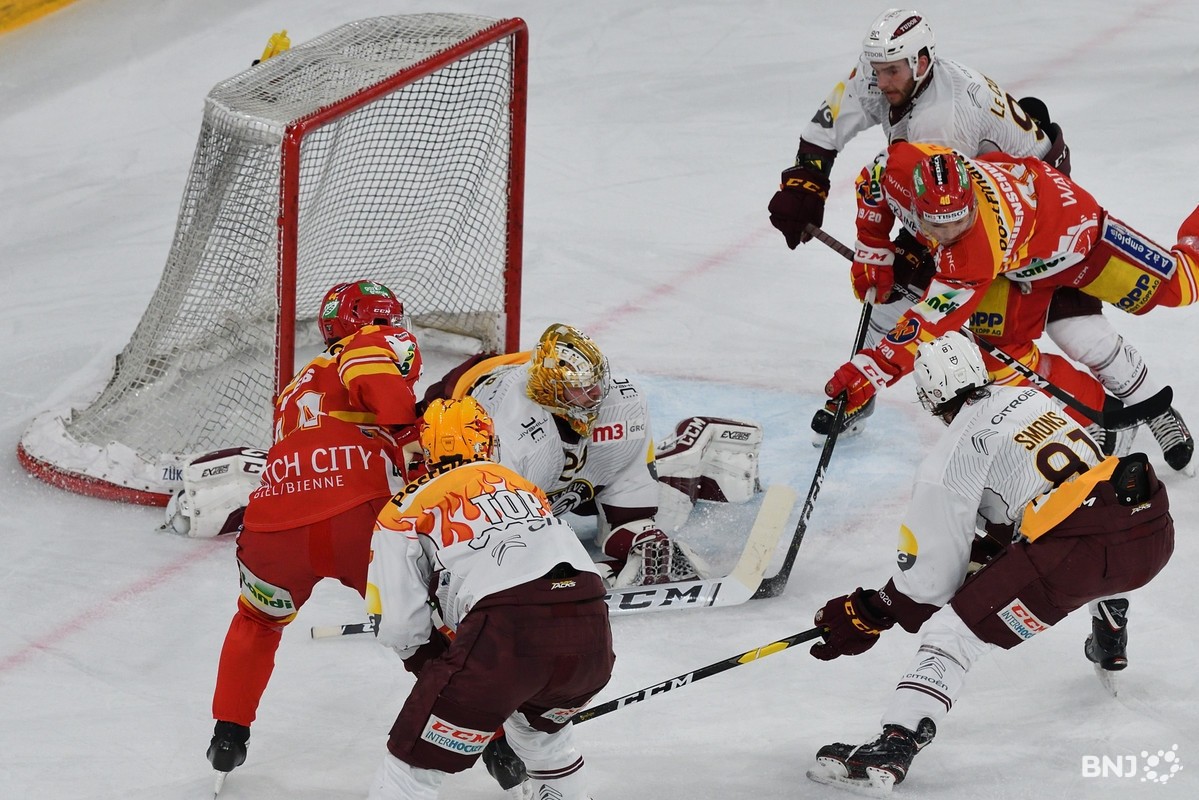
618	431
905	334
907	550
561	716
1139	249
272	600
1023	622
455	738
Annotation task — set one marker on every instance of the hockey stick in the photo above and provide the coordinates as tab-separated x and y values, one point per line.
730	590
775	584
733	589
1113	419
697	674
331	631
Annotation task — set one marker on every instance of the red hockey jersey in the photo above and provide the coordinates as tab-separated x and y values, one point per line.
339	425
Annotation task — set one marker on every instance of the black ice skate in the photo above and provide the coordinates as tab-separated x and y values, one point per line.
1174	438
875	767
504	764
852	425
227	749
1107	645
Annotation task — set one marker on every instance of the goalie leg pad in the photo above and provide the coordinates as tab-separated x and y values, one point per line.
216	490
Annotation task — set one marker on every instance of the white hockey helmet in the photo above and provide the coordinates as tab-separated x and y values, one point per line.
900	34
947	368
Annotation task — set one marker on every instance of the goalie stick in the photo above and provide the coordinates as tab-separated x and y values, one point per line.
732	589
694	675
1115	419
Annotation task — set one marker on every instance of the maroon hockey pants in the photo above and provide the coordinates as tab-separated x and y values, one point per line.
546	661
1031	586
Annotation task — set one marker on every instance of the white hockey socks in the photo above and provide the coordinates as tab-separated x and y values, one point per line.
1094	343
555	767
397	780
935	678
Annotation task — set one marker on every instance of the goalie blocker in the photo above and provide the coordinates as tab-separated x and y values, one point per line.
707	458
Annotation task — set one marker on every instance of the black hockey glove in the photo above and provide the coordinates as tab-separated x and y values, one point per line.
852	624
503	763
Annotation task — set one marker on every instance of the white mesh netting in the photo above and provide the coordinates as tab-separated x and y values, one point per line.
410	189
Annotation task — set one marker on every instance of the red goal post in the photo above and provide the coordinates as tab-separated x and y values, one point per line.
389	149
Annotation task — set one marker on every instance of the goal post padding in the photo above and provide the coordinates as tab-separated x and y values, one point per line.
389	149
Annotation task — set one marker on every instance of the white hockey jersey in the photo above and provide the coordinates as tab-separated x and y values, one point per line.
999	454
482	527
957	107
612	467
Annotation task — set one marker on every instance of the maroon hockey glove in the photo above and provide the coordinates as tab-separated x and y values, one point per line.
438	643
900	608
852	624
799	202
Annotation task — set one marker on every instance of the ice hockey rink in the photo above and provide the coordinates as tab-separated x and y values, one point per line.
656	135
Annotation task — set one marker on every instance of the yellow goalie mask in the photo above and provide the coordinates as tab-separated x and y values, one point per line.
456	430
569	376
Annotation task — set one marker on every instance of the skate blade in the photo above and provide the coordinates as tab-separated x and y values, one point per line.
1108	678
852	432
218	783
877	783
1189	470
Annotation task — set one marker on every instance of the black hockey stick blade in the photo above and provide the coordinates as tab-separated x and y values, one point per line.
688	678
775	584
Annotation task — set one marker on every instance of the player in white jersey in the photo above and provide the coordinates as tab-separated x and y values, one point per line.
901	85
583	435
532	642
1085	527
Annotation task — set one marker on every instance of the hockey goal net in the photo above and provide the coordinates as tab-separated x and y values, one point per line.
389	149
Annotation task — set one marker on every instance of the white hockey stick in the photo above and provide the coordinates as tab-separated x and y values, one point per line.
730	590
734	588
350	629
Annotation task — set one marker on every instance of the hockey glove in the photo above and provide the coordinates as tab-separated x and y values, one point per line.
852	624
798	203
858	378
429	651
873	266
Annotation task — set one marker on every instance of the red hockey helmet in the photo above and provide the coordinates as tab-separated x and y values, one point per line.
944	195
347	307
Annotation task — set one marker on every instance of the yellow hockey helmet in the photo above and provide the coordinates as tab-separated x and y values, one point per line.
456	430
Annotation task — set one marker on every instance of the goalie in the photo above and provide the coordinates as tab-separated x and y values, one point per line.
583	435
576	431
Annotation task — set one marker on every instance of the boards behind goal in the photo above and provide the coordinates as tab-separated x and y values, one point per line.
389	149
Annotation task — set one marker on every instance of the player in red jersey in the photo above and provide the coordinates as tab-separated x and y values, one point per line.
340	429
998	216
